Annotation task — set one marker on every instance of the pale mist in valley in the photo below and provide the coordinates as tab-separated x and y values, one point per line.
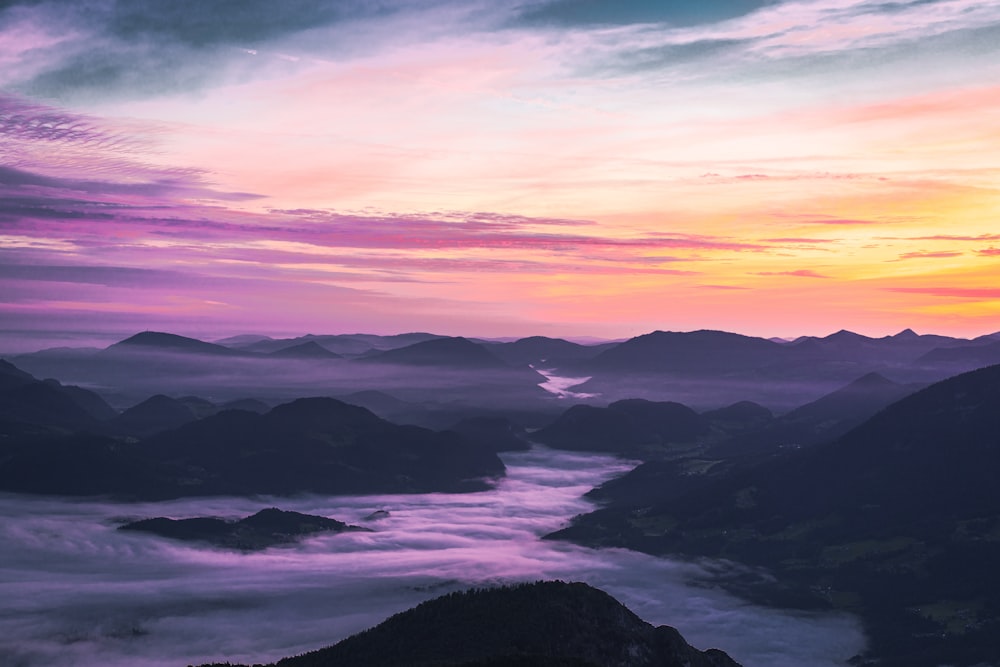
79	592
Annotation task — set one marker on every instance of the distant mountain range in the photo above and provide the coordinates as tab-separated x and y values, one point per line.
160	448
544	624
702	369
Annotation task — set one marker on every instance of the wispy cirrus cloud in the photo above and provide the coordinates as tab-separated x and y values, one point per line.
946	291
798	273
930	254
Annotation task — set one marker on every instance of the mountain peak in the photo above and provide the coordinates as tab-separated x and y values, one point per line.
452	351
550	623
844	334
906	334
308	350
158	340
872	380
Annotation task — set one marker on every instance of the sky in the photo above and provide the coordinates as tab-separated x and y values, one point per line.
552	167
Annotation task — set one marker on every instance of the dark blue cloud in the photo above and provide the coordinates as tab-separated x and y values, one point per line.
624	12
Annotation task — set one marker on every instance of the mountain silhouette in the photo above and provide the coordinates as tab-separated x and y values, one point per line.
498	434
544	352
822	420
26	400
166	342
897	515
685	352
308	350
525	625
266	528
155	414
455	352
632	426
313	445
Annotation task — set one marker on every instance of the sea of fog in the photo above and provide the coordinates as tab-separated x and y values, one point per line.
75	591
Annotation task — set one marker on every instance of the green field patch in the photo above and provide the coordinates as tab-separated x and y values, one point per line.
655	525
956	617
801	529
840	554
699	466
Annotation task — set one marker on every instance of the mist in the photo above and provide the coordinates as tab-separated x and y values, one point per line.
76	591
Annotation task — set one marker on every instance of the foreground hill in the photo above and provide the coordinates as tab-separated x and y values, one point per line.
898	520
540	624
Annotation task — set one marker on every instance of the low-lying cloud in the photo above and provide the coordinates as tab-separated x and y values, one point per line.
78	592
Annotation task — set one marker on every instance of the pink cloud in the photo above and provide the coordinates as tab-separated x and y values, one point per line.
948	237
800	273
989	252
793	239
722	287
952	292
938	254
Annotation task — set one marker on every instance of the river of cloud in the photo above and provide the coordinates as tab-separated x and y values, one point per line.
76	591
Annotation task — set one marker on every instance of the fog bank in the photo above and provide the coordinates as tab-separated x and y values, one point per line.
75	591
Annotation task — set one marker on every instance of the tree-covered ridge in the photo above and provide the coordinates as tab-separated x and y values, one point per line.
266	528
898	521
530	624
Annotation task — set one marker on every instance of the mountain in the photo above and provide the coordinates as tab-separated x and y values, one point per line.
26	400
11	376
241	340
155	341
498	434
526	625
320	445
266	528
824	419
635	427
248	404
544	352
456	352
313	445
898	520
967	356
847	346
347	345
308	350
155	414
740	416
687	352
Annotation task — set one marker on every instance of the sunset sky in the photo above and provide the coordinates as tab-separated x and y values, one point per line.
555	167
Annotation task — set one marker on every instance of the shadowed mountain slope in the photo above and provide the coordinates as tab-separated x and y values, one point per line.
317	445
155	414
456	352
633	426
898	520
822	420
48	404
308	350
